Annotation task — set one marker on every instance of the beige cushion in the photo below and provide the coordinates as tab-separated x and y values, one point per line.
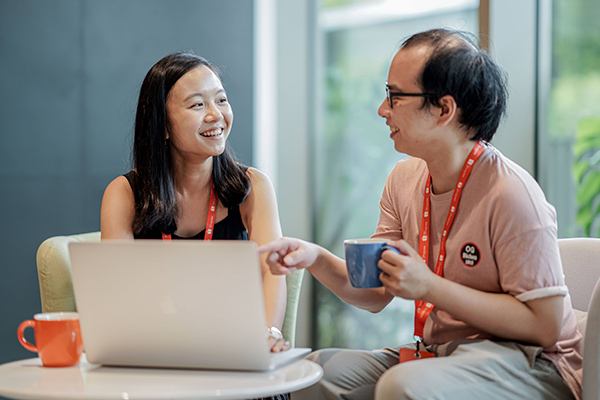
54	271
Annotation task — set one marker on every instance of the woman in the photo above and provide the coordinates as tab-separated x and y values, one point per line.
185	183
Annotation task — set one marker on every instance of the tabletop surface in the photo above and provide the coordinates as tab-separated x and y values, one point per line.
28	379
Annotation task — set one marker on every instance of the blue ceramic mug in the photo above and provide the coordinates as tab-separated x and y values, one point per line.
362	256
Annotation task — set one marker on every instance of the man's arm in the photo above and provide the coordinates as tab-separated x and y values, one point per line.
287	255
537	321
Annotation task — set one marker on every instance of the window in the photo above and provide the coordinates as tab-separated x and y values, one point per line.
354	154
569	141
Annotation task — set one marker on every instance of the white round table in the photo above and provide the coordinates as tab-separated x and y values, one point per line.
28	379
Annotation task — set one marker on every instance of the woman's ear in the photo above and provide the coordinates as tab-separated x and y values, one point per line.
448	110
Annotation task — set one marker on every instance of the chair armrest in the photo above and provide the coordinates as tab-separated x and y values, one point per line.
591	343
294	286
54	271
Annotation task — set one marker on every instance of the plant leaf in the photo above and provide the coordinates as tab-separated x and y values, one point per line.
587	136
584	219
579	169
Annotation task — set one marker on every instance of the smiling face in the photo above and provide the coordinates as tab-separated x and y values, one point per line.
199	115
411	126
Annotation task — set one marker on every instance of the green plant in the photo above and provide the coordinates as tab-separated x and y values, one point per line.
586	169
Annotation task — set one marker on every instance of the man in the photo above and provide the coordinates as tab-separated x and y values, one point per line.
477	242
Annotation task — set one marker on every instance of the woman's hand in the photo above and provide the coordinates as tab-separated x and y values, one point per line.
276	340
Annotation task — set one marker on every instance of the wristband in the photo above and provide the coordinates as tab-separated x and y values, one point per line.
274	331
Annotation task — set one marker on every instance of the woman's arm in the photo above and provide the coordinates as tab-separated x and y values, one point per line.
261	217
118	210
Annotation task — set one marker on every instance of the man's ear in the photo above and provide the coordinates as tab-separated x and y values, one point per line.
448	110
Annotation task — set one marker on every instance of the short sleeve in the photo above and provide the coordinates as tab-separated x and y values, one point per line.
401	200
389	225
529	265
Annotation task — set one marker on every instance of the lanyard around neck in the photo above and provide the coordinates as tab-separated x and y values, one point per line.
422	308
210	219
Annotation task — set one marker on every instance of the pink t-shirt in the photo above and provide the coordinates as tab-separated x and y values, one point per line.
502	240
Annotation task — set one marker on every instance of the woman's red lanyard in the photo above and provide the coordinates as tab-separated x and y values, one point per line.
210	219
422	309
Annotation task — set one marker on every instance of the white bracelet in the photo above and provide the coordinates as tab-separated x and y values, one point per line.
273	330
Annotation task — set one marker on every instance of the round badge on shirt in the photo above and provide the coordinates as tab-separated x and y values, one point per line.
470	255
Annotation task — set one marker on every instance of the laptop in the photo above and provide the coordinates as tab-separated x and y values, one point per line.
173	304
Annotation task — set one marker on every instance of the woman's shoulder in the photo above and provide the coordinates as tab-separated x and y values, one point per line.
262	192
118	191
118	209
258	178
254	173
122	187
121	183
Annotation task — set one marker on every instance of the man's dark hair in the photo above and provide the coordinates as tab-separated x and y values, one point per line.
155	205
458	67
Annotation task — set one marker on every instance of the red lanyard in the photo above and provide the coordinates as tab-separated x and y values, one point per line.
422	309
210	219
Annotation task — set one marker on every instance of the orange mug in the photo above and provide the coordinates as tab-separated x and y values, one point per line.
57	338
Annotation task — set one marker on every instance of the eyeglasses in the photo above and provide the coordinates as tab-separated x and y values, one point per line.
390	95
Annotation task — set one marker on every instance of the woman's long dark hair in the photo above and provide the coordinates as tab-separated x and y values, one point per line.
154	191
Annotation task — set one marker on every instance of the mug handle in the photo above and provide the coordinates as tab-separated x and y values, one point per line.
387	247
20	334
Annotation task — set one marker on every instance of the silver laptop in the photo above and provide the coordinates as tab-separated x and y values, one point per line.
177	304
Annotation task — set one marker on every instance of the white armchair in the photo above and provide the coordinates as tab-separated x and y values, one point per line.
581	263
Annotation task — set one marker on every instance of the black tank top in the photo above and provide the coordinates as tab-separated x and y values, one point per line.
229	228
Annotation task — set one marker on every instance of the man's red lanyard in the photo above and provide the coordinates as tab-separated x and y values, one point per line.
210	219
422	309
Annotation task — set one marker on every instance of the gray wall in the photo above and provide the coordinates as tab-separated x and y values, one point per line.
70	71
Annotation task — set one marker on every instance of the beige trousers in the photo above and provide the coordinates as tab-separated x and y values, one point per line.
462	370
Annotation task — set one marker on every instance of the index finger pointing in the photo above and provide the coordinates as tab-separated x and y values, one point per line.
274	246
